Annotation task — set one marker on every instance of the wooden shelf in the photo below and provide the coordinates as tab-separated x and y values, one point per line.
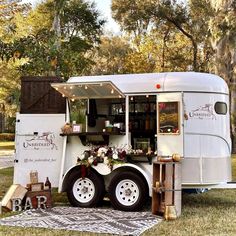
93	133
102	137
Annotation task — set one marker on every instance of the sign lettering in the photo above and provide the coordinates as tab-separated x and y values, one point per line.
39	142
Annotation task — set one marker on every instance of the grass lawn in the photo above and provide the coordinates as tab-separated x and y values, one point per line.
210	213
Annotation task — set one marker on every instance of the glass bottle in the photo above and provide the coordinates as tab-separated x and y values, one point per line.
47	184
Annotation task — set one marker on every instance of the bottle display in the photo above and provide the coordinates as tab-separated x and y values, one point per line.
47	184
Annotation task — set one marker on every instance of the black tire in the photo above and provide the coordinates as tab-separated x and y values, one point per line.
128	191
85	192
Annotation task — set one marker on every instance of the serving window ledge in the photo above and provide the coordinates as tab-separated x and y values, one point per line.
96	138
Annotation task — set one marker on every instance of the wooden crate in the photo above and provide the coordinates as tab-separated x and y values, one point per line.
33	196
166	186
37	96
15	191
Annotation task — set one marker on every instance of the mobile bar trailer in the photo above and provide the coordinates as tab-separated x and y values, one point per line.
145	115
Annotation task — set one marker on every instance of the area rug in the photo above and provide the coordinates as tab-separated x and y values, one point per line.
97	220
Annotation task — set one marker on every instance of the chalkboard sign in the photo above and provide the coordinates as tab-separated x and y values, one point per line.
168	117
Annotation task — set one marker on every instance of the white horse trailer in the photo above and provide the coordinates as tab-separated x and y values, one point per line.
158	114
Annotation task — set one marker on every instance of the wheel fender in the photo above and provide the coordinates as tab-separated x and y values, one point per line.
67	175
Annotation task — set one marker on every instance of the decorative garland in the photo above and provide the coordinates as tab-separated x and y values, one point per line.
107	155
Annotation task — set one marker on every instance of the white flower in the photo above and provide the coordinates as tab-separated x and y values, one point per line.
82	157
115	156
90	159
102	150
106	161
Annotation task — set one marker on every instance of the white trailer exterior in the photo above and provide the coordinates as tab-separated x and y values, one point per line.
189	116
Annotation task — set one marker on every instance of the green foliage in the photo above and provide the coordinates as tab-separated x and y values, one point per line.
189	18
52	39
133	16
78	111
160	51
8	10
51	50
110	56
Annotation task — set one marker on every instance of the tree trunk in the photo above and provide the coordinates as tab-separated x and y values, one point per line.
225	63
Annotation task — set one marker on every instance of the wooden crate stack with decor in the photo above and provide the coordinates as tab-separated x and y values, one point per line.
37	190
166	187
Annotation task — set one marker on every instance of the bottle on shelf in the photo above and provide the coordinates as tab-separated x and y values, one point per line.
47	185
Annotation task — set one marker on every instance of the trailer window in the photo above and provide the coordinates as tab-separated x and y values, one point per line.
169	117
221	108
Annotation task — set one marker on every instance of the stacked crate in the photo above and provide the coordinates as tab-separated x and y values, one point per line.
166	187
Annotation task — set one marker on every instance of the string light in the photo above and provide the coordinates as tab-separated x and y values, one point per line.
112	91
86	87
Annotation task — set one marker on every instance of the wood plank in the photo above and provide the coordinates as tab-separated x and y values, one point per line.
168	173
16	191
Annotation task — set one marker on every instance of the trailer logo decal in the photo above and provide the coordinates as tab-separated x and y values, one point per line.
203	112
44	141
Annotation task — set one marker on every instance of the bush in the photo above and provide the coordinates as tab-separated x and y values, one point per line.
7	137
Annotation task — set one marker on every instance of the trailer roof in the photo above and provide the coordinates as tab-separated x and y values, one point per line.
152	82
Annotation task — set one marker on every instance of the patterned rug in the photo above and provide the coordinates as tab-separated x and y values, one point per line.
85	219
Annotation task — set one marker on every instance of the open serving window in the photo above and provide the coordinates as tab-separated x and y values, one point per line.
103	117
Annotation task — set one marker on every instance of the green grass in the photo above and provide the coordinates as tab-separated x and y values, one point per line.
210	213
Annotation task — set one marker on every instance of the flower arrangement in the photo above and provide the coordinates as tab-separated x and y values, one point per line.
107	155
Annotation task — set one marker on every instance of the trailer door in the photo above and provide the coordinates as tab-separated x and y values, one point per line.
169	124
38	147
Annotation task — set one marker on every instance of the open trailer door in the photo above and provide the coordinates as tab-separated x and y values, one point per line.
38	147
170	124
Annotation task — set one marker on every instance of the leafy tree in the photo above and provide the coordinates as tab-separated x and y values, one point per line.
110	56
29	42
132	15
56	36
8	10
189	18
9	62
223	39
160	51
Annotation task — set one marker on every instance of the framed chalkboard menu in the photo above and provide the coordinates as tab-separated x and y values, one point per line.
168	117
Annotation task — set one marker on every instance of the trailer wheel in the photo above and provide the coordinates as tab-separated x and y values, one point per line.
85	192
127	191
